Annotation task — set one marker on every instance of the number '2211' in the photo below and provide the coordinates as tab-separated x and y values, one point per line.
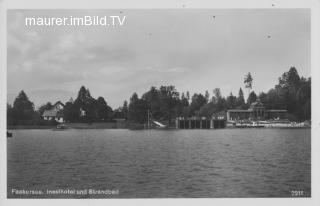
296	193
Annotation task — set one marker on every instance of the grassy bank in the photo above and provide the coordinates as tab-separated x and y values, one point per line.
13	127
97	125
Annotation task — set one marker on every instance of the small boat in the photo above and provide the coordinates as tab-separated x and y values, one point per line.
255	126
9	134
60	127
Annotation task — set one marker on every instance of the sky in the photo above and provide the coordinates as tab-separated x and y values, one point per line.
193	49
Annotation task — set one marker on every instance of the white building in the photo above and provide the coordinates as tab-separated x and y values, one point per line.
56	113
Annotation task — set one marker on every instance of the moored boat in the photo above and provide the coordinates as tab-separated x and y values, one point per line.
255	126
60	127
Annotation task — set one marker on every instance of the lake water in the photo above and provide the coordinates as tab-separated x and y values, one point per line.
158	163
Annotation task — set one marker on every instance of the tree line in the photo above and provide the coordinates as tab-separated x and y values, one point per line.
292	93
84	109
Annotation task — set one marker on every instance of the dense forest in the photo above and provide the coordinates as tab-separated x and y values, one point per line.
292	93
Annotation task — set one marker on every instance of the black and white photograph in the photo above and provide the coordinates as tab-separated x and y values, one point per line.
135	103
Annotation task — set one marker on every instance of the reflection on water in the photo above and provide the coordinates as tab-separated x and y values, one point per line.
155	163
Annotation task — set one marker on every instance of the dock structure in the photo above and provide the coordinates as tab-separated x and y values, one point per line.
215	122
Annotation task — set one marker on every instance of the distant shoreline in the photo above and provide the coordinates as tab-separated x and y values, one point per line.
100	125
113	125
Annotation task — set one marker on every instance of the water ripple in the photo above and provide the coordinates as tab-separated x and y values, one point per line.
180	163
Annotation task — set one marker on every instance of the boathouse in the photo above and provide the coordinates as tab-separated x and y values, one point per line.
256	111
217	121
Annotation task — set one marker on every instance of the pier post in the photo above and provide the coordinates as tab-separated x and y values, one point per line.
200	123
177	123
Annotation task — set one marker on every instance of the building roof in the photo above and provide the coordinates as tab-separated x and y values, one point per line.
277	110
52	113
58	102
55	111
256	104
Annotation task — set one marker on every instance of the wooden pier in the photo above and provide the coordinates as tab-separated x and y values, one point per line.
200	123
